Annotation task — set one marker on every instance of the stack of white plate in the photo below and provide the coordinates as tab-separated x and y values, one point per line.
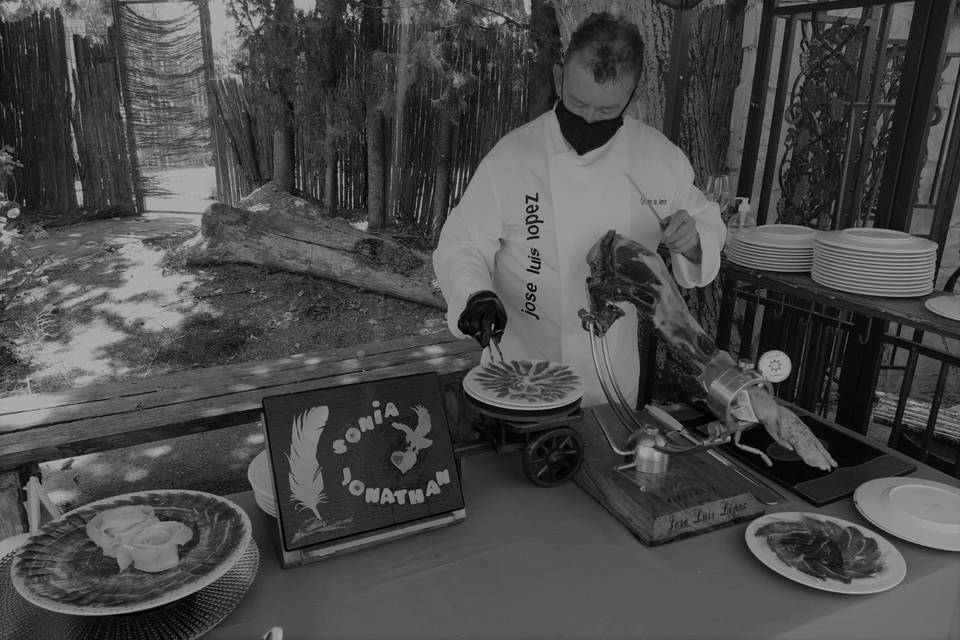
258	473
875	262
773	247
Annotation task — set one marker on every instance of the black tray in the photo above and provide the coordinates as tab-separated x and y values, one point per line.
858	461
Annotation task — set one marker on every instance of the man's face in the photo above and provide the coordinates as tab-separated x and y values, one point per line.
587	98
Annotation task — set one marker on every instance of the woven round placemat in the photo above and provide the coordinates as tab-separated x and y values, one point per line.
184	619
61	569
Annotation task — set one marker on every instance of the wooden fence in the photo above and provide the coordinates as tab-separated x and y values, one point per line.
35	110
413	153
62	119
104	166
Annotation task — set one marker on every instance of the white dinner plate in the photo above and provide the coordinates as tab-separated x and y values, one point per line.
753	244
867	290
892	573
268	507
871	269
920	511
874	282
524	385
925	253
946	306
788	232
258	474
776	254
885	240
776	259
760	255
751	259
770	266
893	284
787	236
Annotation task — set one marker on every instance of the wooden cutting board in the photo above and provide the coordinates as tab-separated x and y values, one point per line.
695	495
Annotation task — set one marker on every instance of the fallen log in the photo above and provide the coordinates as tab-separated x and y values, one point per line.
275	229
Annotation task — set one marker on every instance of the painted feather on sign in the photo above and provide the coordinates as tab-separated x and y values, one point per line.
306	474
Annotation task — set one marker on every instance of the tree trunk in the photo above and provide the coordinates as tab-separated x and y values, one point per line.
400	101
441	189
374	121
375	168
274	229
283	154
329	163
545	32
284	151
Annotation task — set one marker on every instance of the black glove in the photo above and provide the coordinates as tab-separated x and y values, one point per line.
483	317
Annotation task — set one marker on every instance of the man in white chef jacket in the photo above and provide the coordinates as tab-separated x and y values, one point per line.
511	258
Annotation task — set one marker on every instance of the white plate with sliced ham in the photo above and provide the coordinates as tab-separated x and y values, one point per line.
826	553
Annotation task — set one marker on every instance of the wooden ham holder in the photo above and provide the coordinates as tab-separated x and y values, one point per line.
695	495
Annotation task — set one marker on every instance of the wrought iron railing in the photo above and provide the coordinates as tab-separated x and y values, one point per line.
846	101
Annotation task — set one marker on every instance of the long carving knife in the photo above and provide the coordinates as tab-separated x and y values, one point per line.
646	201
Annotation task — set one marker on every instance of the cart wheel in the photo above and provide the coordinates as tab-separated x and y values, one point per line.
553	457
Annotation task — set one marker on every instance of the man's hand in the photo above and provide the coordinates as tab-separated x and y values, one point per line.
680	236
483	317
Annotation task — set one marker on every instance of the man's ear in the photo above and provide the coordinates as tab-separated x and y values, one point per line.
558	80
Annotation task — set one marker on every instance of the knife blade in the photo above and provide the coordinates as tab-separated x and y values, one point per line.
646	201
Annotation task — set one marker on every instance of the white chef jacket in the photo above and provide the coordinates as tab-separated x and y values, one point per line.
533	210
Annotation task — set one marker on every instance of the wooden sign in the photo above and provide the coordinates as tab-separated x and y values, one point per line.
360	464
695	495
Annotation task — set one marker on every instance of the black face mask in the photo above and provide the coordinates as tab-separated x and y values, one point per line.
586	136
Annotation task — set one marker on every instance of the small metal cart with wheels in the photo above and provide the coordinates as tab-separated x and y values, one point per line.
551	448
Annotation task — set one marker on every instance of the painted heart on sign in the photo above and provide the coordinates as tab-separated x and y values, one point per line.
403	460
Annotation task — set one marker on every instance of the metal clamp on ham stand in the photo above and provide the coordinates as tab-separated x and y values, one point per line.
654	440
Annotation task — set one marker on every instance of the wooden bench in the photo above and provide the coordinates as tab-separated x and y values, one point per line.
51	426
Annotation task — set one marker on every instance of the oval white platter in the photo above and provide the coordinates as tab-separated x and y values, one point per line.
894	566
59	568
921	511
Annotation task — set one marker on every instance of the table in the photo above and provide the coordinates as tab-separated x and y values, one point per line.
532	563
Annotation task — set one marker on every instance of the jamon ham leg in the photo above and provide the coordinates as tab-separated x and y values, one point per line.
622	270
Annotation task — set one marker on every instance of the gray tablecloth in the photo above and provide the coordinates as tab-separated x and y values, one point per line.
552	563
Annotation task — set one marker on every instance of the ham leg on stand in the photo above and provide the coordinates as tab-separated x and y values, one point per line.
622	270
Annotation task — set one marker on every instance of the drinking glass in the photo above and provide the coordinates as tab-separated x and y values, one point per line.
718	190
